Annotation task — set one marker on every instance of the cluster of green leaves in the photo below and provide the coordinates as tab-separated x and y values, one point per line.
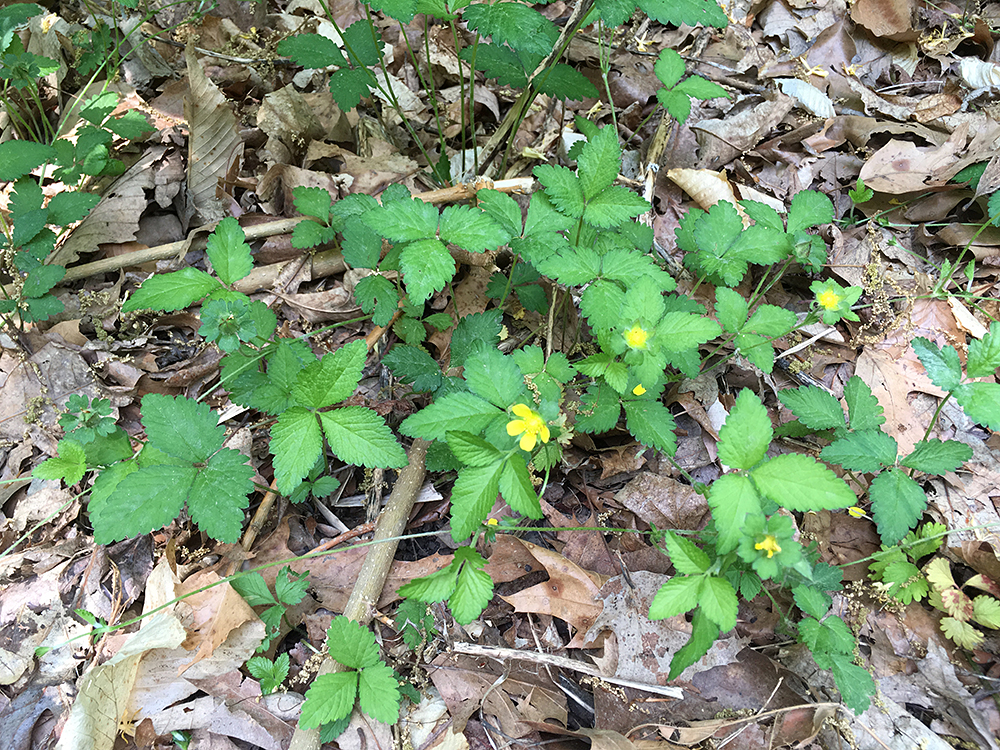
367	681
289	589
754	333
896	566
750	540
961	609
860	445
270	673
720	247
676	95
415	623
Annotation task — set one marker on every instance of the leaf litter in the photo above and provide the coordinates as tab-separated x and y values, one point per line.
882	90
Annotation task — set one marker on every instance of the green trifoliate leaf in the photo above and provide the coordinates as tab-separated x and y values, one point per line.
471	230
296	442
832	636
181	427
308	234
330	698
599	162
652	424
352	644
897	504
815	407
981	402
312	201
473	590
812	601
703	635
798	482
171	291
517	488
942	365
359	436
229	252
679	331
613	206
744	438
562	188
456	411
686	557
865	451
731	499
493	376
219	495
669	67
718	602
862	407
984	353
730	307
769	320
332	379
427	266
139	504
678	595
937	456
289	587
377	295
378	693
471	449
473	495
809	209
69	464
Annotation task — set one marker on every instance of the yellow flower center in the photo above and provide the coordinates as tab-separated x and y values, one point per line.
636	337
530	427
638	390
769	544
828	299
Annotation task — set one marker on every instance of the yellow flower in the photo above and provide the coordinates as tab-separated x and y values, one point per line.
828	299
770	544
856	512
638	390
636	337
492	522
530	427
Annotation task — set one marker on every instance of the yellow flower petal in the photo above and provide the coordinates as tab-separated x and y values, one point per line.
516	427
544	433
856	512
522	411
769	544
527	441
638	390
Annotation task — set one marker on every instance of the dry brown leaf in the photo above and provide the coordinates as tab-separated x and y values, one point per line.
902	167
214	613
884	18
664	502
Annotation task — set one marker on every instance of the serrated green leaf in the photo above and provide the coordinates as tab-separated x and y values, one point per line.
471	230
669	67
455	411
307	234
756	349
70	463
613	206
678	12
730	307
699	88
897	504
732	497
181	427
718	601
600	409
942	365
601	304
436	587
412	364
981	402
679	331
18	158
772	321
862	407
69	207
332	379
984	353
517	488
171	291
866	451
363	42
253	588
404	221
311	51
703	635
471	449
599	162
296	443
139	504
350	86
563	188
228	251
312	201
986	611
427	266
565	82
962	633
523	28
473	495
377	295
812	601
218	495
678	595
499	62
686	557
747	433
330	698
494	377
798	482
809	209
473	590
937	456
652	424
815	407
472	332
352	644
359	436
41	279
378	693
856	686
